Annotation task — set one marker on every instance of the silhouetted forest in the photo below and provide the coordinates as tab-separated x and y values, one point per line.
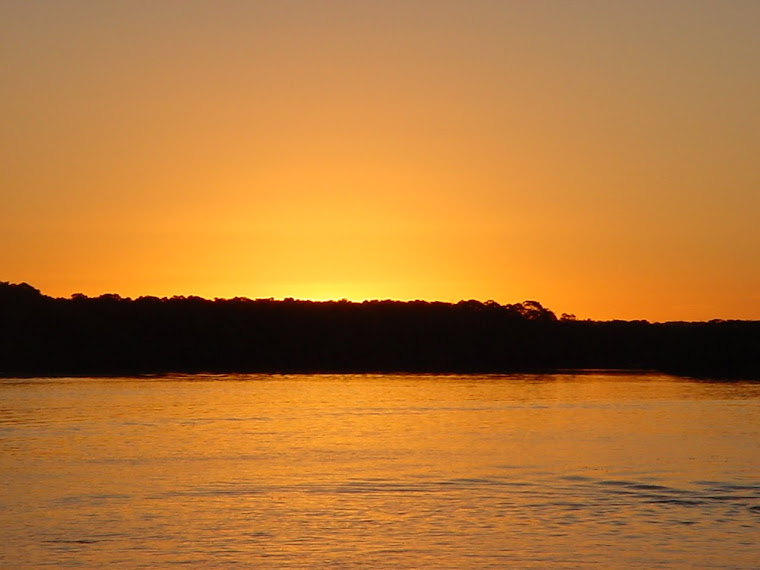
110	335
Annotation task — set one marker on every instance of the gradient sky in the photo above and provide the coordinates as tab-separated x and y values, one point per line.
601	157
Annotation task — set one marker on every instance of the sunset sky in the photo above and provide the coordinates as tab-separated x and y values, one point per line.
601	157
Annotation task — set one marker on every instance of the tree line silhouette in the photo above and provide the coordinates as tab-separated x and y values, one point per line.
111	335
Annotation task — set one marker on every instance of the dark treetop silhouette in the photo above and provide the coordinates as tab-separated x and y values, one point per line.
110	335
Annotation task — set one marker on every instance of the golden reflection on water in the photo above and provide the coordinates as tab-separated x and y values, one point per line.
403	471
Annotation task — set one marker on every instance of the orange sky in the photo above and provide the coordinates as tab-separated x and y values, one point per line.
600	156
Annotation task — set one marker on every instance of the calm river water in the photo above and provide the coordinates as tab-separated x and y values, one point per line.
402	471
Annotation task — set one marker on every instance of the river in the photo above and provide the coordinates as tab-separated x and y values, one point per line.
577	470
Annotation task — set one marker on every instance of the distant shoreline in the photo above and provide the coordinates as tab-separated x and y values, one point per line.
109	336
537	373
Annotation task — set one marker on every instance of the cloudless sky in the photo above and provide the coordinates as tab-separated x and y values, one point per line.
600	157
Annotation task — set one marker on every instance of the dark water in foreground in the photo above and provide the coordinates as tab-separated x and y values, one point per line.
556	471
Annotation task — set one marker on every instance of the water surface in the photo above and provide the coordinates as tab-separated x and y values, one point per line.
404	471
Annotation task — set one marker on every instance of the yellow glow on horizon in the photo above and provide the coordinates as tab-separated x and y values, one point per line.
599	159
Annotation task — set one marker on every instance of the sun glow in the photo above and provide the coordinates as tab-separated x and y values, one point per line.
578	156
